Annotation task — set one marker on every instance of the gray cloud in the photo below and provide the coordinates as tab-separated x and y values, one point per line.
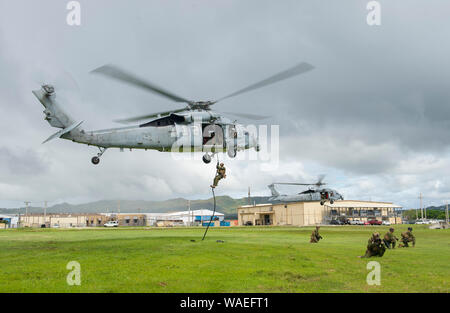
374	114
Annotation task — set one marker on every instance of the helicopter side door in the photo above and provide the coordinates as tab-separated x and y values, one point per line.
213	137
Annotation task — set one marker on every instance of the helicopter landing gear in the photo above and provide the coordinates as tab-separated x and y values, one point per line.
322	202
96	160
331	201
207	158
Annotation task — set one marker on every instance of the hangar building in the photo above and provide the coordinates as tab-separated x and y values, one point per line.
308	213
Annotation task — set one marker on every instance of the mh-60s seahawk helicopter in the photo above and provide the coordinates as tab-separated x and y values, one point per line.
194	128
312	194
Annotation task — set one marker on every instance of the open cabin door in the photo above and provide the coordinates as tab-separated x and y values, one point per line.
213	137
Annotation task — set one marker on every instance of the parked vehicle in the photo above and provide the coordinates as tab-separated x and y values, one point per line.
422	222
375	222
366	223
356	222
386	223
111	224
336	222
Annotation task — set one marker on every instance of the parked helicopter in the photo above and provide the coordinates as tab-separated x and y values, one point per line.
194	128
312	194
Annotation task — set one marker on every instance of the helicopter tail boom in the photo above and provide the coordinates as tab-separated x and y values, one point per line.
54	114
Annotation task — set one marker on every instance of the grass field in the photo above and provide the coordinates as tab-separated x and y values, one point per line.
252	259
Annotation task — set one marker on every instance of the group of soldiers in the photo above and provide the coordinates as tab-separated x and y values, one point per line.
377	246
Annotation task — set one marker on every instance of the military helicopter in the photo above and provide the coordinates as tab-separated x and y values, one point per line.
193	128
311	194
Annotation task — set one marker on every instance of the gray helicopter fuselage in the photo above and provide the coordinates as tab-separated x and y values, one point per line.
190	131
324	194
180	138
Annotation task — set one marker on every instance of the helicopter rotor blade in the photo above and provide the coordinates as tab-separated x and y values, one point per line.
248	116
148	116
296	70
114	72
296	184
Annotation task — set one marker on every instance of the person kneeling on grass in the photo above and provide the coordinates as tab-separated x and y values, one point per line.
390	239
315	236
407	237
375	247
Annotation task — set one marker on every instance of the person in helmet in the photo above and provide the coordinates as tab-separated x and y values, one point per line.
407	237
315	236
220	174
389	239
375	246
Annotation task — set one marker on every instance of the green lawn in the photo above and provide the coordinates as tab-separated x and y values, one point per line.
252	259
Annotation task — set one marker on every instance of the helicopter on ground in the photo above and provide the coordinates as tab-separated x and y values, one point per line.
193	128
311	194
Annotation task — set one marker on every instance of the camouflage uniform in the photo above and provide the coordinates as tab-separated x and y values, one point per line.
407	237
390	239
375	246
220	174
315	236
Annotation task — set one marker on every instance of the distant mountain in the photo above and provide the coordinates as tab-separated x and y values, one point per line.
441	207
224	204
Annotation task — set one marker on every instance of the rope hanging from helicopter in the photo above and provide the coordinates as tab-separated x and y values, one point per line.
216	180
212	216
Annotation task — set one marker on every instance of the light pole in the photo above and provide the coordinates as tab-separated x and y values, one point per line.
45	214
26	210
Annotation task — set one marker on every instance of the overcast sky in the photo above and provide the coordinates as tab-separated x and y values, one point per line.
374	115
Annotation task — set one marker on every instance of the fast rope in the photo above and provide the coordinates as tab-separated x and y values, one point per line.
214	210
212	216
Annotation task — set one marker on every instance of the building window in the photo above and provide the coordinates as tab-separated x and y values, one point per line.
127	221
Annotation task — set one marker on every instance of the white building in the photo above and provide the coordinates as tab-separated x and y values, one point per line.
183	218
12	220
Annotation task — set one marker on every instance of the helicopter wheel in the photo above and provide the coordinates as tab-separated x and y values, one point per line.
322	203
207	159
331	201
95	160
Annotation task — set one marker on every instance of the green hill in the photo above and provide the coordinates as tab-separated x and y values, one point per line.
224	204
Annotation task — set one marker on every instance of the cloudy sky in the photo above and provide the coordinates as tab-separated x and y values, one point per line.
374	115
